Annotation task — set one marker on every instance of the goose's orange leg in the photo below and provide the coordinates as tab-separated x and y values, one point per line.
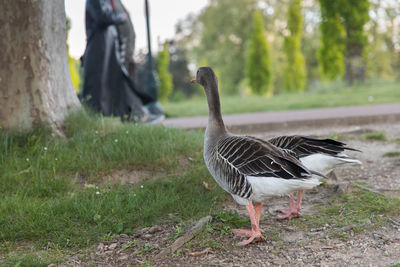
294	210
255	233
258	209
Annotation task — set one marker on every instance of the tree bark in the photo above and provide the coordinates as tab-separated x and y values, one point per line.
35	83
355	64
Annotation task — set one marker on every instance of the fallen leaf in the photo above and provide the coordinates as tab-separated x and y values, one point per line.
206	186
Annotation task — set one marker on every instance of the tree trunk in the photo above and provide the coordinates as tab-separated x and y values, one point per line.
35	83
355	65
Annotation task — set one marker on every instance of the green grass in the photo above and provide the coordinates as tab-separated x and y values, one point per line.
355	209
362	184
43	201
379	136
392	154
24	258
325	96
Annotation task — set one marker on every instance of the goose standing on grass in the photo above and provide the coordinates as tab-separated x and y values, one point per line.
321	155
248	168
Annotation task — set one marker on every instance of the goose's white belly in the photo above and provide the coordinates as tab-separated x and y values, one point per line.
265	187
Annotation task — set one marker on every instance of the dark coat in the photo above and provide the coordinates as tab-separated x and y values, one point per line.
107	87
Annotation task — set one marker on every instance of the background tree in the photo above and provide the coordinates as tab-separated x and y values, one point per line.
310	42
35	83
295	73
258	69
222	29
218	36
180	72
355	15
383	49
164	75
332	49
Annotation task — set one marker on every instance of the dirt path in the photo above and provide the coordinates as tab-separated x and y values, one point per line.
288	243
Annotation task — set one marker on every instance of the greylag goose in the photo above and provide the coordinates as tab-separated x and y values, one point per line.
248	168
321	155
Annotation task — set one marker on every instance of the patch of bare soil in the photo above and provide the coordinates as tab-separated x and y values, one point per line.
286	243
129	176
134	176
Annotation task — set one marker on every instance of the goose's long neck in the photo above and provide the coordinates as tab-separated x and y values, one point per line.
215	126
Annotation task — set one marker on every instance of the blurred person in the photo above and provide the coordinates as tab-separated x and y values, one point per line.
107	88
127	38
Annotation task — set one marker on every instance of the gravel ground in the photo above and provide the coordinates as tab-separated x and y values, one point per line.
378	246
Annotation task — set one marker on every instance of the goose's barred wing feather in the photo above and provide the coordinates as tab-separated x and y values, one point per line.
251	157
303	146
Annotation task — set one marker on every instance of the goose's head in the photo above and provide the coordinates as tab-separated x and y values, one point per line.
206	77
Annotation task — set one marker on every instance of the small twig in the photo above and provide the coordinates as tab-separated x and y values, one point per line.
341	211
100	263
389	190
350	227
394	222
199	253
333	246
367	189
183	239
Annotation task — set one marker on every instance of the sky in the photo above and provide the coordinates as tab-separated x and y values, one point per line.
164	14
